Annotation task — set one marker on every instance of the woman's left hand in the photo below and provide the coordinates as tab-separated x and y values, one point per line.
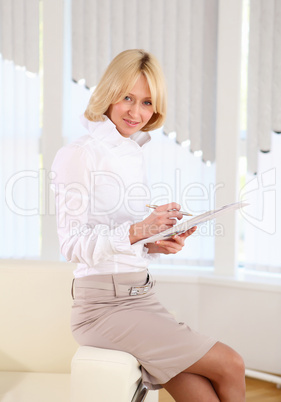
171	246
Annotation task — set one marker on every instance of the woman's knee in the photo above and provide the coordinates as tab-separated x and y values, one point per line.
235	367
232	373
239	364
231	382
221	362
225	368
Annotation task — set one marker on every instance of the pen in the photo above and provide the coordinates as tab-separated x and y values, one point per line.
155	206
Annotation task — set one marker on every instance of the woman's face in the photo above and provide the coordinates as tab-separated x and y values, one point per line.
133	112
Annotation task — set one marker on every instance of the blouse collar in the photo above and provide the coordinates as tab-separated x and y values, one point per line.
107	132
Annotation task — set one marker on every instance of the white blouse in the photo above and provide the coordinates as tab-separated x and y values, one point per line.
100	192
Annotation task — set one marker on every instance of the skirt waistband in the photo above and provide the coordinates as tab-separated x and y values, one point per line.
123	284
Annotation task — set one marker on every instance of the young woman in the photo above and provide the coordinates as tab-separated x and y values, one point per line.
101	197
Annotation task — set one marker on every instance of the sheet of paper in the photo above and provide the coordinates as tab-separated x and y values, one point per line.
189	223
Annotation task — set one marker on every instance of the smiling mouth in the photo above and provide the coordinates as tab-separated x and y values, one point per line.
131	123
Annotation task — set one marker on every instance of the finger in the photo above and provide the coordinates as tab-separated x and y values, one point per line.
179	240
165	226
170	243
175	214
170	246
159	211
189	232
168	207
171	221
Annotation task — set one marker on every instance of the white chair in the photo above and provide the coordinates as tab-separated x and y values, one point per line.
103	375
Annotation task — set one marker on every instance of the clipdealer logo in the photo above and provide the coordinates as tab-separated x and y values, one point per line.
261	194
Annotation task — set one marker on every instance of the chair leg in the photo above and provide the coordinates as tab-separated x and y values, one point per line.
140	393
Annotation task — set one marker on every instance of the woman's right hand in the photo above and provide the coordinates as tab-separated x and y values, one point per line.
162	218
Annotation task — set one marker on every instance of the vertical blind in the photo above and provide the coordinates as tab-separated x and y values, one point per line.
19	39
261	221
19	129
261	224
264	78
182	34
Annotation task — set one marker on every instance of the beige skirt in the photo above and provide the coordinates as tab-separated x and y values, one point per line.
121	312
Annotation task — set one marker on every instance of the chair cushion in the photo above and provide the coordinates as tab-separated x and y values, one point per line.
108	375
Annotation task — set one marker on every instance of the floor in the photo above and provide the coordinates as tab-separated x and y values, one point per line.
256	391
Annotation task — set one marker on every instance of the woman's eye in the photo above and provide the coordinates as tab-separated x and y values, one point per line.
149	103
127	98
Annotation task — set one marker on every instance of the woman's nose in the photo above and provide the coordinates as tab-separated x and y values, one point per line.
134	109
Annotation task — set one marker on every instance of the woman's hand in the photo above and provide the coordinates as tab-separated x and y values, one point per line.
162	218
171	246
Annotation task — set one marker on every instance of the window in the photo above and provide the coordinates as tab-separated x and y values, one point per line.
178	174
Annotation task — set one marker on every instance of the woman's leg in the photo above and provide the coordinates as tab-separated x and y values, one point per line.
222	368
186	387
225	369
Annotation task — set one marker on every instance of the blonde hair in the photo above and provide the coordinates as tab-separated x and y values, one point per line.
118	80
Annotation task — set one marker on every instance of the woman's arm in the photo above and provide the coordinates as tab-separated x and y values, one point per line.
82	236
162	218
171	246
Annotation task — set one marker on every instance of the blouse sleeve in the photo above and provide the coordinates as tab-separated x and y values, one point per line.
82	240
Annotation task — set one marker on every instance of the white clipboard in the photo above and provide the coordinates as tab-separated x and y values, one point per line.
189	223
